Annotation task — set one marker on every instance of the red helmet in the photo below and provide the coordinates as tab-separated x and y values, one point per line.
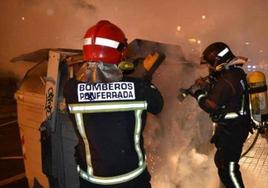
104	42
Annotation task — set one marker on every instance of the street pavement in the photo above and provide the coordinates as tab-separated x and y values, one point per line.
11	159
255	163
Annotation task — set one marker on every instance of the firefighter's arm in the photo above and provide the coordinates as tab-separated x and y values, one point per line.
212	100
208	105
145	68
200	92
154	99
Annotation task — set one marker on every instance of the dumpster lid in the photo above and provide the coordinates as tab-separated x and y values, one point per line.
42	54
34	79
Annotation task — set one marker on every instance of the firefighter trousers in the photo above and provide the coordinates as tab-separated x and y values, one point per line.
229	140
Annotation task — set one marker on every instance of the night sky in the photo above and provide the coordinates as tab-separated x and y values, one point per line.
28	25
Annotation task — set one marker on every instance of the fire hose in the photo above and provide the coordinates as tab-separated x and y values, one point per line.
252	144
261	128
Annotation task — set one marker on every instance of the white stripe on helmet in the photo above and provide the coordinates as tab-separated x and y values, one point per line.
223	52
103	42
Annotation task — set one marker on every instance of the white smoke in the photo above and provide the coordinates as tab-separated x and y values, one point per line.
27	25
177	140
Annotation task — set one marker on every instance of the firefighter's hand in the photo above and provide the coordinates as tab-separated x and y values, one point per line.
199	84
193	89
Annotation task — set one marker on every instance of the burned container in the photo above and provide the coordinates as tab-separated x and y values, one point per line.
47	149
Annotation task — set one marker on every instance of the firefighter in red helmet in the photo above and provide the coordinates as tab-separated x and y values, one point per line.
225	97
108	111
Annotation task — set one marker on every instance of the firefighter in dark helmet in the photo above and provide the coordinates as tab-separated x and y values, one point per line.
225	98
108	111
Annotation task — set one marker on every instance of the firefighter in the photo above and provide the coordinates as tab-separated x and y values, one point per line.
108	111
225	97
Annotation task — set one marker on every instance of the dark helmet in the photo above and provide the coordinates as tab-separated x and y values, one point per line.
217	55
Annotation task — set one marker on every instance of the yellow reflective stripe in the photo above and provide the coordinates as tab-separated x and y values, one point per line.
137	136
232	175
200	97
111	180
137	107
81	129
231	115
102	41
107	107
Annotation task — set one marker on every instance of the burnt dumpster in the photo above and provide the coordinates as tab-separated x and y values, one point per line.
30	103
38	103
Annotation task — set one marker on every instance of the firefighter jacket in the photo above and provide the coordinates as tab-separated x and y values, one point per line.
109	119
227	98
227	102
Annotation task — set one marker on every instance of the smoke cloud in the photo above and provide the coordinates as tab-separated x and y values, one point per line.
177	140
27	25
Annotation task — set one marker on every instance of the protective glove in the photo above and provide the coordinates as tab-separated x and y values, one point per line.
200	84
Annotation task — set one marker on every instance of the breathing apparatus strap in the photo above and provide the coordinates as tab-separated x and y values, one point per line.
235	114
242	111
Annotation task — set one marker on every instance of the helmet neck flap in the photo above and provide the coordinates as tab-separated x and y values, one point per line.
94	72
